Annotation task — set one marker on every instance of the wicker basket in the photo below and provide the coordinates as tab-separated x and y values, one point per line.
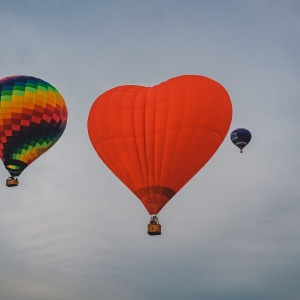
12	182
154	229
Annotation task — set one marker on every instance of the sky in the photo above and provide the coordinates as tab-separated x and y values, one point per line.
72	230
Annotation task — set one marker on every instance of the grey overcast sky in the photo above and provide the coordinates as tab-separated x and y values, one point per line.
73	231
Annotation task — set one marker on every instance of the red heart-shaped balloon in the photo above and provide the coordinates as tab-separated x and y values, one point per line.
155	139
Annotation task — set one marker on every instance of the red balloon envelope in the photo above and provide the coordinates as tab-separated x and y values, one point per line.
155	139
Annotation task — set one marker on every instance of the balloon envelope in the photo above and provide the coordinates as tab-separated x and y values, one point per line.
240	137
155	139
33	116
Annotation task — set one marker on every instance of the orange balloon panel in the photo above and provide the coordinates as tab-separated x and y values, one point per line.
155	139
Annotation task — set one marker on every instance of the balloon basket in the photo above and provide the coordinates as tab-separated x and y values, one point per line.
10	182
154	229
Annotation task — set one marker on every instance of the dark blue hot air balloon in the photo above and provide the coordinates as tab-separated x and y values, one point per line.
240	137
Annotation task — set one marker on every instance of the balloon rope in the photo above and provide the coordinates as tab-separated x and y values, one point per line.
37	173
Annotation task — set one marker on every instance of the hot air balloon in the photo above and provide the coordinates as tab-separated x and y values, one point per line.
240	137
155	139
33	116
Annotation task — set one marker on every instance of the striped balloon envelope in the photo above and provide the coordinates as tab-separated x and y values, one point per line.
33	116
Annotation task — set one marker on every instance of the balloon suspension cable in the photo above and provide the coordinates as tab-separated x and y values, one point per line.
39	165
154	220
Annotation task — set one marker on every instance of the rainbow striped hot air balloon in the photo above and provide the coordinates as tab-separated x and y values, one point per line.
33	116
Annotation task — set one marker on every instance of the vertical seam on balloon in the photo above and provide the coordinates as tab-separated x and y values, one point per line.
154	144
191	141
2	120
144	154
204	160
165	133
33	101
108	153
128	174
186	152
145	141
93	115
11	115
154	136
178	135
140	171
23	144
30	158
136	136
144	130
